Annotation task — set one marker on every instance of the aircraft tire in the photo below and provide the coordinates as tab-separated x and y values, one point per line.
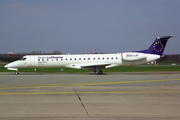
16	72
100	72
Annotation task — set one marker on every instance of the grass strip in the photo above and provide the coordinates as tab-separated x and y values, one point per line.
115	69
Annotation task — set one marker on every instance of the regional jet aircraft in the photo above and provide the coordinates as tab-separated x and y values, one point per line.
94	62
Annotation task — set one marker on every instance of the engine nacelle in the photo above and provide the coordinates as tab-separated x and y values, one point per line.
132	56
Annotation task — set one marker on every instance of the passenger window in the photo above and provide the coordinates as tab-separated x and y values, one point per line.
107	58
79	58
70	58
66	59
116	57
56	59
47	59
61	59
112	58
103	58
88	58
98	58
93	58
74	58
84	58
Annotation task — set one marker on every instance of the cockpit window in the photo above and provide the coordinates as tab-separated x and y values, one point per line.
23	59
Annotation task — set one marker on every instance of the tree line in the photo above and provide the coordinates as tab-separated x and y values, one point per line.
169	59
17	56
55	52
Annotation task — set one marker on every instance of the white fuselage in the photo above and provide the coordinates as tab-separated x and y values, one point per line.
81	61
94	62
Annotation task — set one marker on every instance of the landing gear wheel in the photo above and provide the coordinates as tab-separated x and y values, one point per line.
100	72
16	72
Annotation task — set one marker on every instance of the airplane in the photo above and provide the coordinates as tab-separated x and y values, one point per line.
94	62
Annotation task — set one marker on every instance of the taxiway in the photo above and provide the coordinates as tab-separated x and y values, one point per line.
89	96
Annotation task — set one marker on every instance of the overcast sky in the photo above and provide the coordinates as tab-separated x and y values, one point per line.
76	26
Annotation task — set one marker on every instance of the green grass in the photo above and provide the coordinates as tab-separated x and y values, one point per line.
142	68
115	69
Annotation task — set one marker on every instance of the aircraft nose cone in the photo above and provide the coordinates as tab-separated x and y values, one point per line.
12	65
6	66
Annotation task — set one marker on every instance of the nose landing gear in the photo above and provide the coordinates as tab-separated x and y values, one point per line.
16	73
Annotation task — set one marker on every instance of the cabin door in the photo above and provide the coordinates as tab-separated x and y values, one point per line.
32	61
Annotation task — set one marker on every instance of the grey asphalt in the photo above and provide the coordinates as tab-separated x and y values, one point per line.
120	96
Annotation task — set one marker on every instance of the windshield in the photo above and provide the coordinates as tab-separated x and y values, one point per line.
23	59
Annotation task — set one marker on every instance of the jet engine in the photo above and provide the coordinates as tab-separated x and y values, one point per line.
133	56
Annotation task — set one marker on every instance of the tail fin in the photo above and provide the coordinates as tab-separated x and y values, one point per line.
157	46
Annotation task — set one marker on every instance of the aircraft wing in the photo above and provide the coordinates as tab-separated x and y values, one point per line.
93	65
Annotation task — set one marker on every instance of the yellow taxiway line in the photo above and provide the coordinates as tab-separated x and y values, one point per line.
45	93
79	84
83	84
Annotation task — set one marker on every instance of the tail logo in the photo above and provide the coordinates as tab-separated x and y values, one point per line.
158	46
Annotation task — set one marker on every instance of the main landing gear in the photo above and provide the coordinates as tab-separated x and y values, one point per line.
98	72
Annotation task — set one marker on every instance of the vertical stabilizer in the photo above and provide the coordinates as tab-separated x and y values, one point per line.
157	46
